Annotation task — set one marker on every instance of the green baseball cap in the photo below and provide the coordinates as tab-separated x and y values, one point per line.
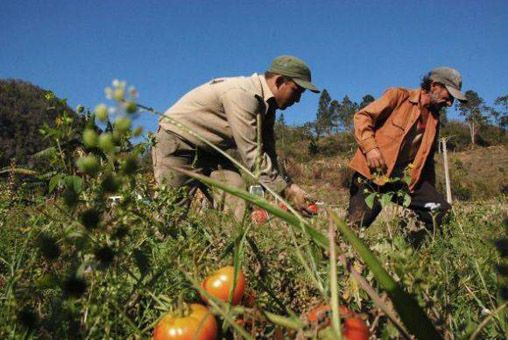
451	79
294	68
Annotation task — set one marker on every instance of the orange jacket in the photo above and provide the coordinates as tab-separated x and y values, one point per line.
384	124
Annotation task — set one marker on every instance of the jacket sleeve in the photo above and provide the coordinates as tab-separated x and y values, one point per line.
366	120
241	107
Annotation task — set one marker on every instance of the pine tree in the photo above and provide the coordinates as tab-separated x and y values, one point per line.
346	112
323	124
366	100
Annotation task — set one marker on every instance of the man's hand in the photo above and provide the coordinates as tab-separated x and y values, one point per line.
298	199
375	160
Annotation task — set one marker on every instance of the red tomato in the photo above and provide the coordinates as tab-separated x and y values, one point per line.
320	313
283	206
259	216
199	324
353	328
220	283
313	208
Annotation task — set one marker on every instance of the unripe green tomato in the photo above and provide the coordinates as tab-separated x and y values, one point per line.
106	142
122	125
131	107
90	138
89	165
101	112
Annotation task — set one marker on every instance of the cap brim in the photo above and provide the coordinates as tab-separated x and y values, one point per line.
306	85
456	93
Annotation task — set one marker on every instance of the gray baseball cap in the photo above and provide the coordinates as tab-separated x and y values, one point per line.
451	79
294	68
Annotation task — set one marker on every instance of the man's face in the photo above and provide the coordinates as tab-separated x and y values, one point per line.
287	94
439	97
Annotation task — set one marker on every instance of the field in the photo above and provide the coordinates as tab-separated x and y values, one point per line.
76	264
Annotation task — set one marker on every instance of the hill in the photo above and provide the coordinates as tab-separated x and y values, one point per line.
24	109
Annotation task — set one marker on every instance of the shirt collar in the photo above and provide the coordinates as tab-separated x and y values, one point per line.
267	93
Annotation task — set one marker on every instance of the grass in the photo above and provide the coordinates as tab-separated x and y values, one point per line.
453	276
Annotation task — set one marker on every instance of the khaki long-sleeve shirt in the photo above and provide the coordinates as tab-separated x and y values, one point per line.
224	112
387	124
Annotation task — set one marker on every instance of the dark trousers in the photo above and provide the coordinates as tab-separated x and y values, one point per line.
424	201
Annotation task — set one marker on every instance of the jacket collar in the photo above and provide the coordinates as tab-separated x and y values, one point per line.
414	96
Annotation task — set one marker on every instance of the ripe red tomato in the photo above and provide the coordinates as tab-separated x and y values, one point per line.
313	208
320	313
220	283
259	216
353	328
283	206
199	324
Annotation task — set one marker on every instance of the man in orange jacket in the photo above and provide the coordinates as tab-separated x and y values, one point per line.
397	135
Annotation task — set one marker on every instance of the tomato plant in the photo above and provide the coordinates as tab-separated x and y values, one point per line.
219	284
198	324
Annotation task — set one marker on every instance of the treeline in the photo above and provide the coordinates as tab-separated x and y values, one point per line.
331	132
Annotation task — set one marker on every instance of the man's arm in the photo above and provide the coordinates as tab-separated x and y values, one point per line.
293	193
365	122
241	108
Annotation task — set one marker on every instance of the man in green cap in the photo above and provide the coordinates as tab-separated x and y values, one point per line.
397	135
224	111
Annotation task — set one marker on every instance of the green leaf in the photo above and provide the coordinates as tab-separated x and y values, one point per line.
407	200
56	180
386	199
407	178
369	200
74	183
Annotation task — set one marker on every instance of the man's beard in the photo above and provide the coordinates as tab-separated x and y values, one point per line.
437	108
434	106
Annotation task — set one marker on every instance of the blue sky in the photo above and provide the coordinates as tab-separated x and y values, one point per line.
166	48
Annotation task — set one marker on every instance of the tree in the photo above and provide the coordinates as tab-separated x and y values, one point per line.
334	114
347	110
323	122
500	113
281	128
472	110
366	100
